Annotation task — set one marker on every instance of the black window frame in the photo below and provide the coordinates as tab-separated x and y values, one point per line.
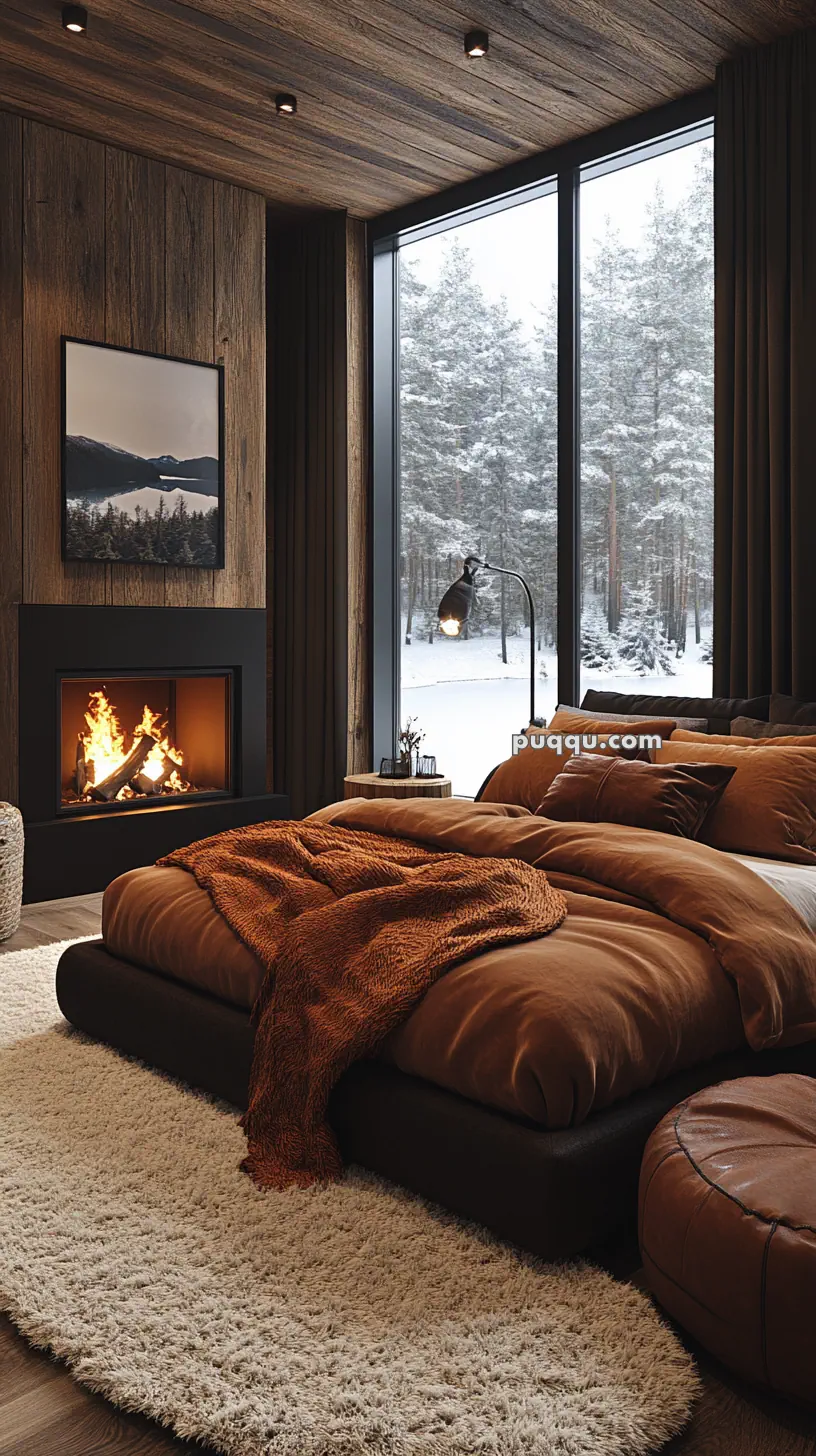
561	169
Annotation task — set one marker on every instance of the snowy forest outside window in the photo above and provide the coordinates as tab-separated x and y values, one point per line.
647	424
478	465
467	408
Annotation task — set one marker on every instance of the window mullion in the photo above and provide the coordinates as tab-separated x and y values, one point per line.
569	441
385	462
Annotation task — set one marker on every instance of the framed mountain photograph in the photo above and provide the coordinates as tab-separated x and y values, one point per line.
142	457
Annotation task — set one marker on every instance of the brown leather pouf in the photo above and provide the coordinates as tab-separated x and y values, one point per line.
728	1226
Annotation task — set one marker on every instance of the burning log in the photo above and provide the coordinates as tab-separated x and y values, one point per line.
144	783
108	788
81	773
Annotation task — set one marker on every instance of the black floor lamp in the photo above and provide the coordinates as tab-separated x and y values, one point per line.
455	608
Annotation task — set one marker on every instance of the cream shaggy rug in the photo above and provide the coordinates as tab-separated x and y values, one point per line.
331	1322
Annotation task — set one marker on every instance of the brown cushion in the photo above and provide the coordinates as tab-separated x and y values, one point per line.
754	728
717	711
671	799
728	1226
799	739
574	720
785	709
695	725
525	778
768	808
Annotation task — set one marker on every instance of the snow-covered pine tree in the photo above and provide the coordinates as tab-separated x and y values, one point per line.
442	395
609	428
599	648
499	463
675	398
643	648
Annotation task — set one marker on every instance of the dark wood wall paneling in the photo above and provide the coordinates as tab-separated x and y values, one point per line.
11	438
390	108
108	245
318	508
135	303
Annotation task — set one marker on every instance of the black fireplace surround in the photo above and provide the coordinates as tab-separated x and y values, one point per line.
71	851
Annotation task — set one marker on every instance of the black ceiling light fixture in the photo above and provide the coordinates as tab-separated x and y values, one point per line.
75	18
477	44
286	103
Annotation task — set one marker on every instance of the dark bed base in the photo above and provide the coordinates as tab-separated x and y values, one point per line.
553	1193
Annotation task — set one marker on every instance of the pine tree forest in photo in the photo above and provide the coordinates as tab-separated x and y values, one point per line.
181	536
478	442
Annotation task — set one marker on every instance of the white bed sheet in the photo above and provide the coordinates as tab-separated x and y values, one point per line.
796	883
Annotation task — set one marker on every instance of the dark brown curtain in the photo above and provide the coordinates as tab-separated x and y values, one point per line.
765	513
307	578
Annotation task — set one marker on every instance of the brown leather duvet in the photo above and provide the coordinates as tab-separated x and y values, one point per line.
671	953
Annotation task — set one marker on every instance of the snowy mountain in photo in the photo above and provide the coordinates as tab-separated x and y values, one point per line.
95	471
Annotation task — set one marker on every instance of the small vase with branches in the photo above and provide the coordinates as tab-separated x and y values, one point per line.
409	740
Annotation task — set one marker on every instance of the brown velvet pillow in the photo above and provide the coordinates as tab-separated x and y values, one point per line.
575	720
768	808
785	709
756	730
670	799
735	740
525	778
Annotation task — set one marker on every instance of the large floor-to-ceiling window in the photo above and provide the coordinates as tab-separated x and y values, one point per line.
647	422
478	474
547	354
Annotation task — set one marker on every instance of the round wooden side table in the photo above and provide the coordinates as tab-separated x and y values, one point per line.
371	786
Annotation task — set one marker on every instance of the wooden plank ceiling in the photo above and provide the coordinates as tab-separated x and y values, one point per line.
390	109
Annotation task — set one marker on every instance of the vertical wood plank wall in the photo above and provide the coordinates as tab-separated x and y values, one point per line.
106	245
11	437
318	577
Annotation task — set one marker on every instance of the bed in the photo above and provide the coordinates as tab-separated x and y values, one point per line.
512	1098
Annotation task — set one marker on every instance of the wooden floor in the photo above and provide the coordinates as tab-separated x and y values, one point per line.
56	920
44	1411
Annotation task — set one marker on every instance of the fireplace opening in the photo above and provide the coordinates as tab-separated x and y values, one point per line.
132	741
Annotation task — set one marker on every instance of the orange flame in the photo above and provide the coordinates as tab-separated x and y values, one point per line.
106	748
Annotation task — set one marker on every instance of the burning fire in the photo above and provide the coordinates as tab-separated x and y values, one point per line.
105	750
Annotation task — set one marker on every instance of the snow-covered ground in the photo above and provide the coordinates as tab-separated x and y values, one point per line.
469	703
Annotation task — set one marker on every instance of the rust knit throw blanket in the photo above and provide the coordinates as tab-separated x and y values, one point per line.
352	928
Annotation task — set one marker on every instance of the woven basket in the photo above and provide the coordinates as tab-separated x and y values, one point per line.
11	869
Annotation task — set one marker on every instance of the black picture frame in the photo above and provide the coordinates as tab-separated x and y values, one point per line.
214	565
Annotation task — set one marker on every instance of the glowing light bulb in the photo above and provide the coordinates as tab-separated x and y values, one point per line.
477	44
75	18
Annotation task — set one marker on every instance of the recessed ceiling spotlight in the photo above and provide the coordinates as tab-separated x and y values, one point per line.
285	104
477	44
75	18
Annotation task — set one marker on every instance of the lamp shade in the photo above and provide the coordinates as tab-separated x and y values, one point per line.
455	606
